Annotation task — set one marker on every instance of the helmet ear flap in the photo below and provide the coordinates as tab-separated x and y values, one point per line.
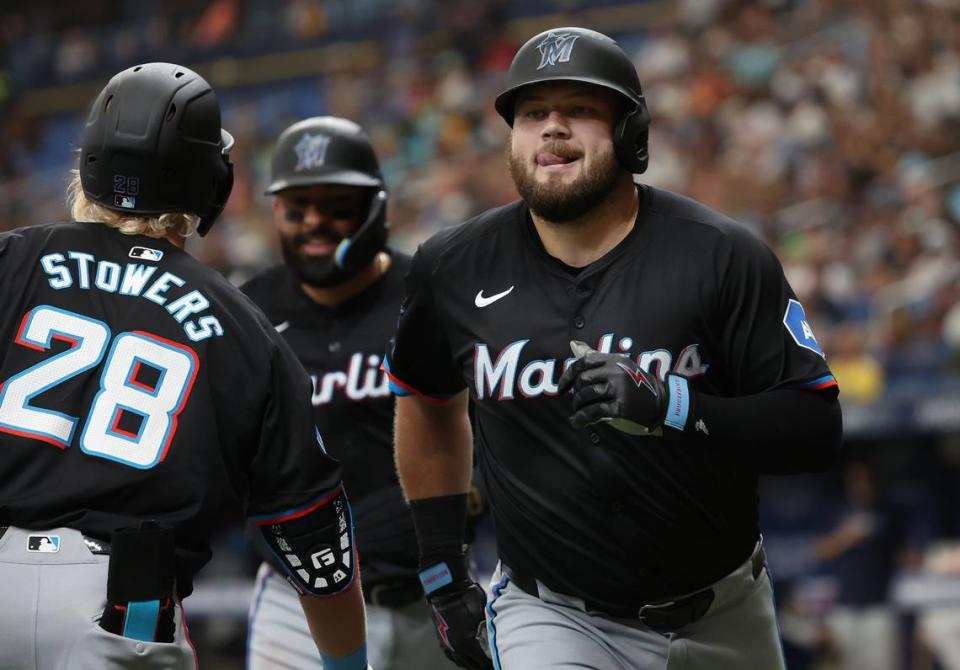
630	139
359	249
223	188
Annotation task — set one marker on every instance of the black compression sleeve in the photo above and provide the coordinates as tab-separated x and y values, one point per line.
441	525
781	432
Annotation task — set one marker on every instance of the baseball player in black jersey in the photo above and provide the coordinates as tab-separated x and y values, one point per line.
335	300
636	361
141	392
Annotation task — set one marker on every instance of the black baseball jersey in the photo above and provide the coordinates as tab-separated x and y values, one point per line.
596	513
342	349
138	383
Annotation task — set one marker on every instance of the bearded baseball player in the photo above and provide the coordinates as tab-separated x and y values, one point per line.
141	393
335	300
636	361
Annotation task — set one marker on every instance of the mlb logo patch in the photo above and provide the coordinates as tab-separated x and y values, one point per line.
43	544
146	254
125	201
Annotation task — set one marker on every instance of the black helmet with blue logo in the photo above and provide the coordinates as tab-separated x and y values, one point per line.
579	54
331	150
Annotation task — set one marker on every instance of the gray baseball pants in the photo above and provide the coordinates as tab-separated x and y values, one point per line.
53	591
553	632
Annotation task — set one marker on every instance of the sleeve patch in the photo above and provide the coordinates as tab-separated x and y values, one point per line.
795	321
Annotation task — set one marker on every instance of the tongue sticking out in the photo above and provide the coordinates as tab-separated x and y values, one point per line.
546	159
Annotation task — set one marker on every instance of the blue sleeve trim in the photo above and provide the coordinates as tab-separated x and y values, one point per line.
398	387
299	511
821	383
141	621
395	389
678	402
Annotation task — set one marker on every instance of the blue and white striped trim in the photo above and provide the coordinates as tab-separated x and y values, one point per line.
491	626
678	402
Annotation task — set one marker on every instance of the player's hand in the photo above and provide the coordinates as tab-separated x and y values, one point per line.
458	606
462	627
614	389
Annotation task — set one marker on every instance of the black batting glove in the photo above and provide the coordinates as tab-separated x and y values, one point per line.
613	389
457	604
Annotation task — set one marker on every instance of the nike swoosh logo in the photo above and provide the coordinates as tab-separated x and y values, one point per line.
280	327
481	301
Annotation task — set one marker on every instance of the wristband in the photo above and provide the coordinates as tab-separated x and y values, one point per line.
451	570
678	402
441	525
355	661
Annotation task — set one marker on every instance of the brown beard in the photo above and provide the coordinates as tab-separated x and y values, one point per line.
568	202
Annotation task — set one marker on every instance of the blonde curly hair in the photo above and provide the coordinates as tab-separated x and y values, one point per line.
82	209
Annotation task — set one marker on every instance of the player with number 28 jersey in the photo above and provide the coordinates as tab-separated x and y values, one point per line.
141	395
131	369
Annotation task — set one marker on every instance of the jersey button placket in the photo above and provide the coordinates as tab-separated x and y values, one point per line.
579	322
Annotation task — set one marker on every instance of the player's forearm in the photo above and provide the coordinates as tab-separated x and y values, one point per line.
780	432
434	459
434	447
338	626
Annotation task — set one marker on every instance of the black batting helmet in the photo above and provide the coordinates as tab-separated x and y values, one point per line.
579	54
331	150
152	144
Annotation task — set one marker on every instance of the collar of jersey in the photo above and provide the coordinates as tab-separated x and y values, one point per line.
574	275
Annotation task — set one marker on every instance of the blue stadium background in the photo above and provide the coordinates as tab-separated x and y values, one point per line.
829	127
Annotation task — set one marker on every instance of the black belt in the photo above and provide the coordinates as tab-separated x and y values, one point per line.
393	594
94	545
663	616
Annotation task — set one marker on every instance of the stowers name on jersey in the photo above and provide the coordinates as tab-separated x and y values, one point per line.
375	383
84	271
503	377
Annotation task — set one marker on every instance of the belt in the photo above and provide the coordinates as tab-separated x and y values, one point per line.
95	546
663	616
393	594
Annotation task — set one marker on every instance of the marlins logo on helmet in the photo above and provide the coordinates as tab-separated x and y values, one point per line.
311	151
556	48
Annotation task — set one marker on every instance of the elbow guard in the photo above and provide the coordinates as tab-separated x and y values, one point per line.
314	542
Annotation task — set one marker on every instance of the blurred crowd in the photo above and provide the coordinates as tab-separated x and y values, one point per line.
829	127
832	129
